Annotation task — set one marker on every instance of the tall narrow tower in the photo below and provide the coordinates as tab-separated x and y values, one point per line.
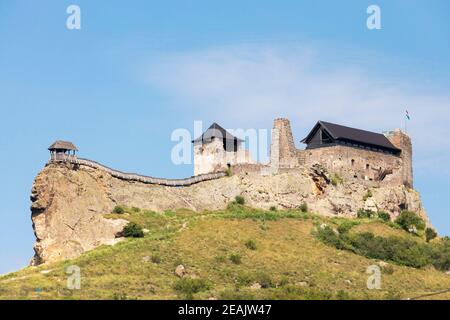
402	141
282	152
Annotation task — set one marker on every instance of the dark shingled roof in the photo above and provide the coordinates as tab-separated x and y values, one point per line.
339	132
65	145
215	131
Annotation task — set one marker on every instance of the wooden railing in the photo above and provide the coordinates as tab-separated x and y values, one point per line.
137	177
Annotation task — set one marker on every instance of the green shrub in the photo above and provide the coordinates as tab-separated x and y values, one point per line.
402	251
236	258
264	280
336	179
304	207
228	172
244	279
342	295
383	215
240	200
273	208
189	286
409	220
440	254
430	234
119	296
362	213
250	244
345	226
136	210
367	195
118	210
328	236
133	230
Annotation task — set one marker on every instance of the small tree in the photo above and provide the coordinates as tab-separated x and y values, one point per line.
363	213
383	215
250	244
236	258
304	207
409	220
133	230
118	210
430	234
240	200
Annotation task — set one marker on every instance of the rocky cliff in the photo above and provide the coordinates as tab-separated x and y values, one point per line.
68	201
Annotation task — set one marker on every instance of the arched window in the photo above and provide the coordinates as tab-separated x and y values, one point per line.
353	162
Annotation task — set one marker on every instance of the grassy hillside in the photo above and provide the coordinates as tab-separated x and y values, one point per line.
239	253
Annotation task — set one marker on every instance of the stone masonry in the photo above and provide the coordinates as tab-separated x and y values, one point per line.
369	167
402	141
283	148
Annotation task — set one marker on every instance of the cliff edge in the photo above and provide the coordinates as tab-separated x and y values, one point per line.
69	201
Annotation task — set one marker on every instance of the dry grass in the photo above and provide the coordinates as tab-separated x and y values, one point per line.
288	257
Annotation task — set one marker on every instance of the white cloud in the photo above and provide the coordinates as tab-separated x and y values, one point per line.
257	83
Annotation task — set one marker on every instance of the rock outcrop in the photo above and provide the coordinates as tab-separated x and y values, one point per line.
68	201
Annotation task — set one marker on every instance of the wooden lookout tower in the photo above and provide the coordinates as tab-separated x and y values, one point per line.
62	150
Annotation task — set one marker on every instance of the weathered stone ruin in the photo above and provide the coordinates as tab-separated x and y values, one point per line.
371	158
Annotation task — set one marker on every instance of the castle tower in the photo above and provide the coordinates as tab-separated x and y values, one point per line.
217	149
402	141
282	151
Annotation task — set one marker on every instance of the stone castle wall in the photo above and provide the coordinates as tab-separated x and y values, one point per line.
75	161
357	164
374	168
402	141
211	157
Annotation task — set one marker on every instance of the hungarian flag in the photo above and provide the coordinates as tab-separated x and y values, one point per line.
407	115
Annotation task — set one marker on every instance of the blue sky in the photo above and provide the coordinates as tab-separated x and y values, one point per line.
137	70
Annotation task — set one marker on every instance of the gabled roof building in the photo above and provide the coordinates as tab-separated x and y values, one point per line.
217	150
326	134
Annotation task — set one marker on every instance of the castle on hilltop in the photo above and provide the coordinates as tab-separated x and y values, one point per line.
368	157
363	156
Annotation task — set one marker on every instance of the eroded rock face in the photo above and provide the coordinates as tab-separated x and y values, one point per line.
69	201
66	213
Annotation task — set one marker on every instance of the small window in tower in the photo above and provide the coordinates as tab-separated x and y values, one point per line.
353	162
